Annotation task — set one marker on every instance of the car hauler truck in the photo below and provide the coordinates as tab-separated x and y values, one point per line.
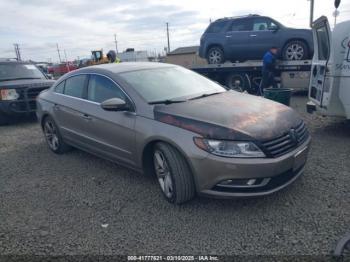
246	76
329	90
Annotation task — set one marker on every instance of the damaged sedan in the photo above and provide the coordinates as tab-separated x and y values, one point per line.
191	133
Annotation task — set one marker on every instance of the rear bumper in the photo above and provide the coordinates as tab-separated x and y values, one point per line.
270	174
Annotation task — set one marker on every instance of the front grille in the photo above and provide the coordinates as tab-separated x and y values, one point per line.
26	102
287	142
32	93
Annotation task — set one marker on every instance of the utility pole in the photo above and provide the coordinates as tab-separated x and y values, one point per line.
18	53
167	33
311	12
58	51
65	56
116	43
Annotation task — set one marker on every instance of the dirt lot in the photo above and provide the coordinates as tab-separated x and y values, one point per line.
56	205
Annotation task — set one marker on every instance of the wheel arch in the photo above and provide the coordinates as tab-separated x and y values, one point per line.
214	45
147	156
296	39
43	117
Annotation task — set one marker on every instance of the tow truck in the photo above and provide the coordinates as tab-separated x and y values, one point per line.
246	76
329	90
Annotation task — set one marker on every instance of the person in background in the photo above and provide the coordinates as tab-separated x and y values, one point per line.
268	70
112	57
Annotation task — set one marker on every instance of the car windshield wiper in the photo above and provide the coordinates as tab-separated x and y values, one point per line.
167	101
19	78
205	95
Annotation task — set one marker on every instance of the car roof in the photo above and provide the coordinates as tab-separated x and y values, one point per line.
126	67
238	17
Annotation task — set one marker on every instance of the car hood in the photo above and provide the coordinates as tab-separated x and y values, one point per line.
27	83
230	115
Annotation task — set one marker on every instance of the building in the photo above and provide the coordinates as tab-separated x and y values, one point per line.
185	56
130	55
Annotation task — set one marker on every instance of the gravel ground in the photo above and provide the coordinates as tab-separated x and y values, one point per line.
79	204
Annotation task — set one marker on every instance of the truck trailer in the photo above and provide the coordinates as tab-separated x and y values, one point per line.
246	76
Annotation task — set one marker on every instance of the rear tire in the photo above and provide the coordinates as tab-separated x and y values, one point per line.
173	173
53	136
215	55
295	50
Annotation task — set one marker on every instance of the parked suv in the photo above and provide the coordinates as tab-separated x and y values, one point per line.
20	84
249	37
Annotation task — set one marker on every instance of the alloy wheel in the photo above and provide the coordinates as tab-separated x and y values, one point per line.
51	135
163	173
215	57
294	52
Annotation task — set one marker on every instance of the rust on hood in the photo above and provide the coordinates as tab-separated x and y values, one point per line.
230	115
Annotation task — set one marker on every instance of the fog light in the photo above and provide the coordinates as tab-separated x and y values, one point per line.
251	182
242	183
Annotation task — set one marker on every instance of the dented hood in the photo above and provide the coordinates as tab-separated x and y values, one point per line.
230	115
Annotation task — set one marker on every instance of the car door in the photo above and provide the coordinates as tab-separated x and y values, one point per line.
264	35
321	36
68	110
239	40
111	133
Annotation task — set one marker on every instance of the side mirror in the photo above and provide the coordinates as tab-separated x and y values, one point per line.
115	104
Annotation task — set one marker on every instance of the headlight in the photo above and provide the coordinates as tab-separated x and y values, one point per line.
229	148
8	94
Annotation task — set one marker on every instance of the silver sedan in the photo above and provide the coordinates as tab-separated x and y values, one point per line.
193	134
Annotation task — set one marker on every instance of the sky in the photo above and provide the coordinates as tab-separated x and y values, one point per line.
79	26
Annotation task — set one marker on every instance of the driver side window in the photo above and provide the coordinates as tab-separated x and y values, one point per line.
263	24
101	88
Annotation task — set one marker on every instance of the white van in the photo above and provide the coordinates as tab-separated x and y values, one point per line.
329	88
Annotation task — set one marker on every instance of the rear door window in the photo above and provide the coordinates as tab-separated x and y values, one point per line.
216	27
241	25
75	86
323	43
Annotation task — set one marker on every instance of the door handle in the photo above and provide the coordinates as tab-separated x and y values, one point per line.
86	117
228	36
56	107
253	35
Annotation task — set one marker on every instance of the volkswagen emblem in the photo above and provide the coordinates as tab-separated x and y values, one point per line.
293	136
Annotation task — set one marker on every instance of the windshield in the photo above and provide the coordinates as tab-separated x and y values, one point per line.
19	71
169	83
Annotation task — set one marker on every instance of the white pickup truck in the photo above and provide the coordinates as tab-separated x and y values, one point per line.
329	88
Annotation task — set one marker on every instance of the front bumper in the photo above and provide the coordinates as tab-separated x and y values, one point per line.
17	107
26	104
273	173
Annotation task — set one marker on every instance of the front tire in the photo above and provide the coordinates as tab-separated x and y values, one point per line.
53	136
174	176
295	50
215	55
